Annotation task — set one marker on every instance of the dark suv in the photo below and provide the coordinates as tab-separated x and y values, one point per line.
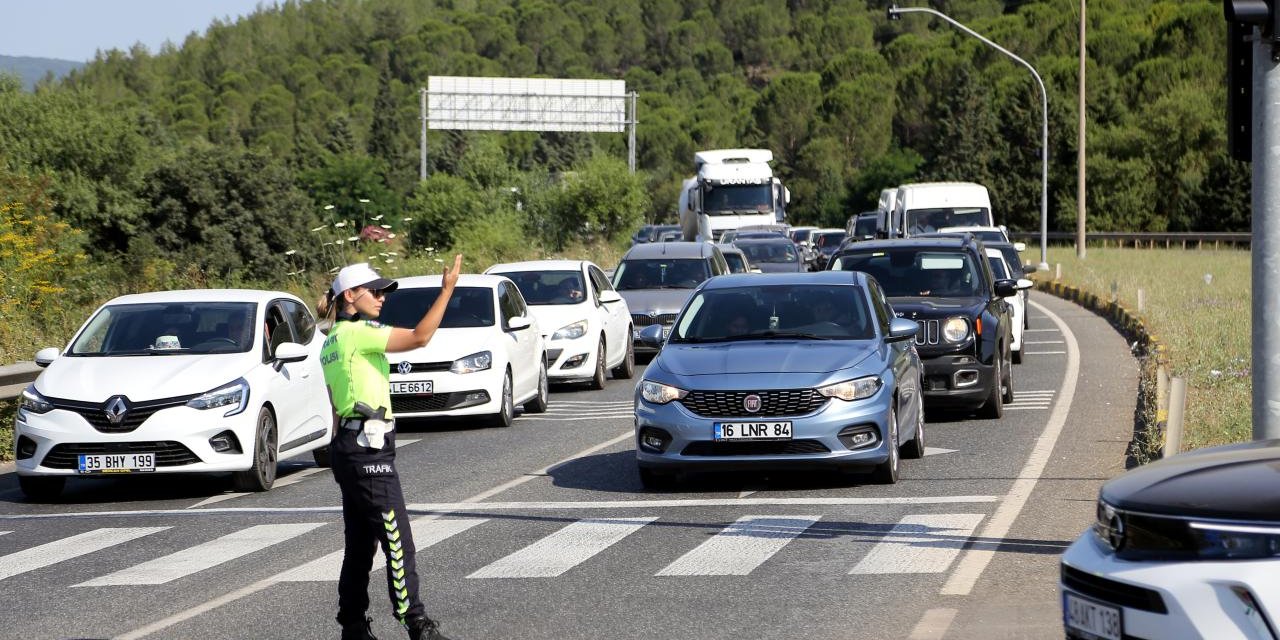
946	285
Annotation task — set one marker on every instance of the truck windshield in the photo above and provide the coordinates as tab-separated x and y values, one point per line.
737	199
930	220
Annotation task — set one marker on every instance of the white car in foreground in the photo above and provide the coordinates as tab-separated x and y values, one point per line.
586	324
195	381
486	357
1017	302
1187	547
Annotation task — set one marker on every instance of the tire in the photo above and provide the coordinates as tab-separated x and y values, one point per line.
887	472
627	369
597	380
655	481
41	488
994	408
539	402
322	457
914	450
507	411
262	474
1007	392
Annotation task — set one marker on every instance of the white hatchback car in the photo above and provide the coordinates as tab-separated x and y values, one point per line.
586	324
486	357
1017	303
194	381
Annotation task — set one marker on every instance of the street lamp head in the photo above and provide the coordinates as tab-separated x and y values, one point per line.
894	14
363	200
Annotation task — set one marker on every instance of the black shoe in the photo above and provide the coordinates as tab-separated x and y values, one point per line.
424	628
359	631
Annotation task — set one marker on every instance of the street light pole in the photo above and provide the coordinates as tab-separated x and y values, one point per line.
895	14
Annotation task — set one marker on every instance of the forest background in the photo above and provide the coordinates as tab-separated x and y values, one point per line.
259	152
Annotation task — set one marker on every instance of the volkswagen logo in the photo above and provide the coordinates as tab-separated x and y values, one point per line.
115	409
404	368
751	403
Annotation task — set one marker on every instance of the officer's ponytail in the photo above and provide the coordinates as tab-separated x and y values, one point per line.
325	306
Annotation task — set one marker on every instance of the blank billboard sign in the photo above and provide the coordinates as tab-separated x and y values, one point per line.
526	104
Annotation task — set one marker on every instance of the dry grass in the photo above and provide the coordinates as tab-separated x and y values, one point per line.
1197	302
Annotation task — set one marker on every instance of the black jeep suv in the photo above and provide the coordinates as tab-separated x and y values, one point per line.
946	285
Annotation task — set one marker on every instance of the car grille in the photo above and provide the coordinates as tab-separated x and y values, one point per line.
168	453
1119	593
421	367
644	319
929	332
766	448
95	412
436	402
730	404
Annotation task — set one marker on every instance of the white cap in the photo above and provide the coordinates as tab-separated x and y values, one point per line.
360	275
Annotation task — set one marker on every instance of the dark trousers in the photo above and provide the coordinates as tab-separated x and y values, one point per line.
373	513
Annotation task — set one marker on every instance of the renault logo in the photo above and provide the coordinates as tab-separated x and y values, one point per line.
404	368
751	403
116	408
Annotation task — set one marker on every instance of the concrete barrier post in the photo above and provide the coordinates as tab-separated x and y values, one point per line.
1177	408
1057	271
1141	299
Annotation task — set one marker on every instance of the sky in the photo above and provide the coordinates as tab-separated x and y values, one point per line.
76	29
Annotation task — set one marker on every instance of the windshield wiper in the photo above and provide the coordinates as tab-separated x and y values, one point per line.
774	335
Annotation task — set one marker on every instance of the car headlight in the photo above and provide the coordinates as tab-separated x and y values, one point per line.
34	402
473	363
850	390
234	395
571	331
659	393
955	329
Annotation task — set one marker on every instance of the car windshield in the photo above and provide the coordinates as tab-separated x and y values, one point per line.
997	268
864	226
930	220
830	240
781	251
736	263
685	273
801	312
549	287
915	271
729	199
1011	256
168	328
468	307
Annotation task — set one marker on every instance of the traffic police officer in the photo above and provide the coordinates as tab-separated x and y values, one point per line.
363	449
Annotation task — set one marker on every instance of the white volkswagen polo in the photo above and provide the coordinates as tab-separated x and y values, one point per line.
1017	302
585	322
486	357
194	381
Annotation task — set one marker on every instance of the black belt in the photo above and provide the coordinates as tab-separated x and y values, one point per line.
356	424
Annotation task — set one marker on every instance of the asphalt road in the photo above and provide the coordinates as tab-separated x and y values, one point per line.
543	530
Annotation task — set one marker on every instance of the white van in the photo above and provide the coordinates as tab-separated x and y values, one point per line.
928	206
886	224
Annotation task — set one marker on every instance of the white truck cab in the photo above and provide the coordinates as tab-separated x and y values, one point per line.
732	188
926	207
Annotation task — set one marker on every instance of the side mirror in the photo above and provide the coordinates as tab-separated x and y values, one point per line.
902	329
47	355
786	196
610	296
651	336
1025	283
1006	288
290	352
518	323
1020	246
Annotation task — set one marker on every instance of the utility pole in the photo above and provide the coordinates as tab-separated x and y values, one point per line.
1254	41
1080	156
422	163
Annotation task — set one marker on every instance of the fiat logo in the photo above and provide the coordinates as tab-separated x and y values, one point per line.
404	368
751	403
115	409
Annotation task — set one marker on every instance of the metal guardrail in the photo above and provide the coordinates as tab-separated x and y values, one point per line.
15	377
1143	239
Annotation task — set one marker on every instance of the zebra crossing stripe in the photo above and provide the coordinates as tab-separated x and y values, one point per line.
741	547
920	544
203	556
564	549
427	531
68	548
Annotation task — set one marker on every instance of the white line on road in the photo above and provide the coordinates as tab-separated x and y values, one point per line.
1027	407
1035	330
619	416
68	548
1042	342
741	547
975	560
427	531
920	544
1045	353
564	549
203	556
934	625
295	478
1020	391
933	451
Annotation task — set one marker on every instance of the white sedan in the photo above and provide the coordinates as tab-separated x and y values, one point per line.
486	357
585	322
195	381
1017	303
